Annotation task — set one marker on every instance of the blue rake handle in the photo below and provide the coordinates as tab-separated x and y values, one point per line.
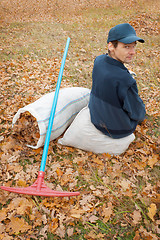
52	114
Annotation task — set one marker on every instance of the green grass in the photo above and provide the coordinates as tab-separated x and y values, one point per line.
33	39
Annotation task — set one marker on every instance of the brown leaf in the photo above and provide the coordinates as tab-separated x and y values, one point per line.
125	184
107	212
136	217
16	168
22	205
2	229
93	219
139	165
70	231
137	236
152	211
76	213
17	225
153	160
53	225
3	214
59	172
21	183
97	161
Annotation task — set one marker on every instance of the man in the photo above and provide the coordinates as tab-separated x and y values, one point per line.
115	106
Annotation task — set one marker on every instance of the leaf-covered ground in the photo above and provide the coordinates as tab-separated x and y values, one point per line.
119	195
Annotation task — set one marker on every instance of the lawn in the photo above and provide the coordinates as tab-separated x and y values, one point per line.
119	195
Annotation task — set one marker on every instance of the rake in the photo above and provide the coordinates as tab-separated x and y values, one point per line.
39	188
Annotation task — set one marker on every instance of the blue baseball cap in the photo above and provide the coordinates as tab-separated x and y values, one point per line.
124	33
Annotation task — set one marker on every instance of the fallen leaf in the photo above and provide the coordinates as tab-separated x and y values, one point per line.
93	219
53	225
60	232
3	214
137	236
152	211
2	228
98	161
125	184
107	212
16	168
136	217
70	231
153	160
21	183
76	213
21	204
17	225
59	172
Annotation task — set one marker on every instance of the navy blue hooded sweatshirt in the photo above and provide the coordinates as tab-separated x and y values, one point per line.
115	106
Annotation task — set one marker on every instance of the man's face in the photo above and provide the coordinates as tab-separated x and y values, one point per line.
123	52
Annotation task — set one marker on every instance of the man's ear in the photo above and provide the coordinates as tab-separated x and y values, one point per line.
110	46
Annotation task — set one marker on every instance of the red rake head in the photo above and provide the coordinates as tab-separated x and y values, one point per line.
39	188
